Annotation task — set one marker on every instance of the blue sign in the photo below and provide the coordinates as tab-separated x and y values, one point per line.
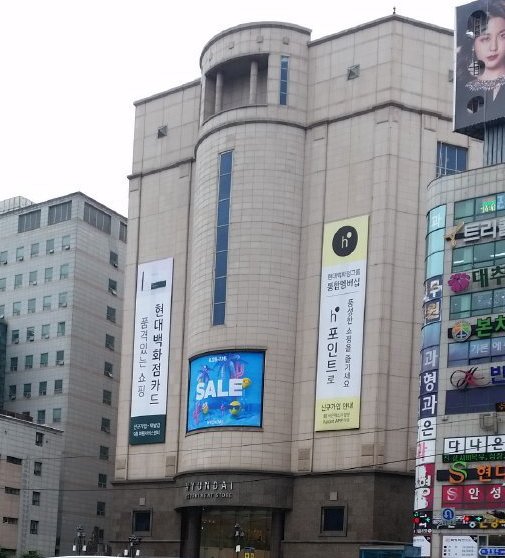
225	389
448	514
492	551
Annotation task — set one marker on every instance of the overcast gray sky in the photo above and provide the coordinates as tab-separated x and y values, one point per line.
71	69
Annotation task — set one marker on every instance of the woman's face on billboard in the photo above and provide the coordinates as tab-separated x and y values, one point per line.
490	48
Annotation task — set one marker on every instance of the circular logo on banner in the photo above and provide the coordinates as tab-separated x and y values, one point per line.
461	331
345	241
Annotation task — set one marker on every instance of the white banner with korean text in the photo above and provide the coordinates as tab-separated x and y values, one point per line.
151	352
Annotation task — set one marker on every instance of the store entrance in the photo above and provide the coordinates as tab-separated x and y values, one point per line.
223	529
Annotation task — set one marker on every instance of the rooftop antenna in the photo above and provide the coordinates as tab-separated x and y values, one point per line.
394	10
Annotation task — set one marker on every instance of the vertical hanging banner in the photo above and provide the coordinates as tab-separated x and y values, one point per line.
150	352
341	320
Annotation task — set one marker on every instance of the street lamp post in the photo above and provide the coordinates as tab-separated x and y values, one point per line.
133	541
80	540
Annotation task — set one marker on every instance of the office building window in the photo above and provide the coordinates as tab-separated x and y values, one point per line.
109	341
18	280
60	332
14	364
50	246
35	498
44	360
29	221
60	212
107	397
102	480
112	287
34	527
3	257
60	358
2	311
62	300
104	452
477	209
283	98
488	254
333	520
14	460
31	305
15	335
11	490
123	229
42	388
100	508
58	386
480	303
222	230
30	333
32	278
105	426
107	369
27	390
48	274
3	284
39	438
65	242
16	308
114	259
34	250
20	254
37	468
12	392
64	271
44	333
141	521
41	416
111	314
450	159
56	415
97	218
28	362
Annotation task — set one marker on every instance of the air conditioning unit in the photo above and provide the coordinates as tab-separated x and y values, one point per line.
2	316
12	397
51	251
63	305
34	282
66	247
60	362
20	259
27	395
16	341
113	291
5	262
108	374
31	339
115	264
45	336
489	421
105	429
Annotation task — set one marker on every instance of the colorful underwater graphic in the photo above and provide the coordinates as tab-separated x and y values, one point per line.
225	389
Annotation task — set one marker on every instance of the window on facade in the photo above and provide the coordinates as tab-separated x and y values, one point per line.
60	212
32	278
112	287
333	519
34	250
3	284
16	308
10	520
34	527
20	253
60	358
107	397
109	341
283	97
39	438
50	246
65	242
123	229
114	259
104	452
41	416
14	364
35	498
29	221
102	480
28	362
42	388
107	369
48	274
31	305
30	333
96	218
14	460
222	225
27	390
111	314
57	415
141	521
62	300
105	426
100	508
12	392
11	490
478	255
44	360
44	332
60	332
18	280
3	257
477	304
64	271
58	386
477	209
15	335
450	159
2	311
37	468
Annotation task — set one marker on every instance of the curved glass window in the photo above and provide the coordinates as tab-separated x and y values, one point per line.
431	335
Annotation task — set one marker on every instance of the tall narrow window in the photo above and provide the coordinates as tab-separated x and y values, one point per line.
283	97
222	229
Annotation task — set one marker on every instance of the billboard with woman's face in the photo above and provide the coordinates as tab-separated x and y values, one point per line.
225	389
480	66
